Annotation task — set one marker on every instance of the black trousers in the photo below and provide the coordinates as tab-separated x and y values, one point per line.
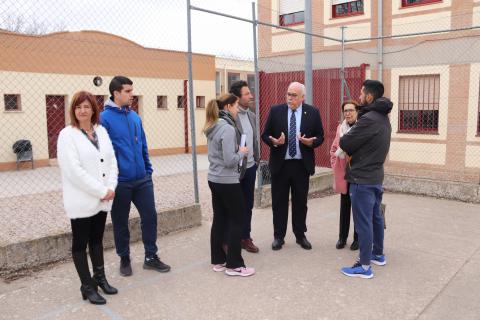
228	208
88	231
345	210
294	177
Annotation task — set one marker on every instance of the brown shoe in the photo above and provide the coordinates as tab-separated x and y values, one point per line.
248	245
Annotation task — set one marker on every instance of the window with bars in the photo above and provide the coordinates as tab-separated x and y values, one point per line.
418	103
12	102
180	102
232	77
347	8
200	102
162	102
291	12
410	3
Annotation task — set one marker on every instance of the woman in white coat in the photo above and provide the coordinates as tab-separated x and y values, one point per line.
89	177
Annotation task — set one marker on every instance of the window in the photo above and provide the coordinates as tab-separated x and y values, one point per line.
12	102
200	102
161	102
181	102
251	83
218	85
292	18
100	101
232	77
345	8
418	102
291	12
409	3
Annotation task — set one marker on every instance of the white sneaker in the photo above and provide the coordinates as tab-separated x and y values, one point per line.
242	272
219	267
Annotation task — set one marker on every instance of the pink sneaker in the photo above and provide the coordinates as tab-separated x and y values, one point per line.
219	267
242	272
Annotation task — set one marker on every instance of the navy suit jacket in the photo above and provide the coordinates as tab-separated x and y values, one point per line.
277	122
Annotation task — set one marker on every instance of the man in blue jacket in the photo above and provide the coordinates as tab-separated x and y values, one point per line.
135	184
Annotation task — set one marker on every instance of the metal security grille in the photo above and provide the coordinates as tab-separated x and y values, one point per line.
418	102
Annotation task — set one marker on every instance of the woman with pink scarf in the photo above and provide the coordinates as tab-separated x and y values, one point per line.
338	160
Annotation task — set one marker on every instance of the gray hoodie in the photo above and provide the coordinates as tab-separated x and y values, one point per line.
223	153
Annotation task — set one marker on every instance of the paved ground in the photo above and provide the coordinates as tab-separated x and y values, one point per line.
432	247
46	179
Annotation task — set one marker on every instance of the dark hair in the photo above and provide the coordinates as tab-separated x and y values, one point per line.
117	84
373	87
236	87
213	108
77	99
355	103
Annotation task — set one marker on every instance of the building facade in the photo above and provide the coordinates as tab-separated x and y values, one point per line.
432	77
40	74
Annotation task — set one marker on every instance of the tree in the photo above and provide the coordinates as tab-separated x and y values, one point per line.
19	24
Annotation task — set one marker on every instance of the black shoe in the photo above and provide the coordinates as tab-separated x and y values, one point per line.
354	245
101	280
90	292
341	244
154	263
277	244
303	242
125	267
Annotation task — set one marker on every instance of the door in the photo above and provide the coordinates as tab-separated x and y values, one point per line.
55	122
135	104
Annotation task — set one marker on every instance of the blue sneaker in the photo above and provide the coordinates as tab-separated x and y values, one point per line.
379	260
357	271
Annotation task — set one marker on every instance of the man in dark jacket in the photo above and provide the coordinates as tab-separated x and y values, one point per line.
293	130
367	145
135	184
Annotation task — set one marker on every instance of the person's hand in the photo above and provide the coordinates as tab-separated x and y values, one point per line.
279	141
306	141
243	150
110	195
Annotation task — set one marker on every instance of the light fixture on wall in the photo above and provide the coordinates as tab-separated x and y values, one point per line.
97	81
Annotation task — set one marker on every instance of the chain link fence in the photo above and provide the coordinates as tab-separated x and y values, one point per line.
49	51
429	65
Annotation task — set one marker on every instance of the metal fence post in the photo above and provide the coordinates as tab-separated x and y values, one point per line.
308	53
257	88
192	107
342	70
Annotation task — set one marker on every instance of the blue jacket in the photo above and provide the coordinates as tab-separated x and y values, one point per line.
125	129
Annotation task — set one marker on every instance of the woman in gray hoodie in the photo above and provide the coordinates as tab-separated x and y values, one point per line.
225	155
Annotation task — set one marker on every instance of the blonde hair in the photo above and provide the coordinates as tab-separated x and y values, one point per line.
213	108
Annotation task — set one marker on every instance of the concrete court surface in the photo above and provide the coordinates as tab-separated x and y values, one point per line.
432	247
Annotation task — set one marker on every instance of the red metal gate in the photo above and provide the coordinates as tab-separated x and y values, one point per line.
326	97
55	122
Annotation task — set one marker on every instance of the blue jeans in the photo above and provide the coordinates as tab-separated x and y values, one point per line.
366	200
140	192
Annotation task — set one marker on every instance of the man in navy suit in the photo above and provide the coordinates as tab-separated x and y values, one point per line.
292	131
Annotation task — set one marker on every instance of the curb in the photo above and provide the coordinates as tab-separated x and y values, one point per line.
52	248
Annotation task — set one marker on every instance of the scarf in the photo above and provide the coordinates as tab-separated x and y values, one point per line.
344	128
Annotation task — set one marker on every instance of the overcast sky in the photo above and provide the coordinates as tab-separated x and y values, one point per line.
151	23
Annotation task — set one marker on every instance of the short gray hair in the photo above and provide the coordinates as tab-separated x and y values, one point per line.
298	84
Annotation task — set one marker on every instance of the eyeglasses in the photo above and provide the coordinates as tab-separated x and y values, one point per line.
293	95
349	110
